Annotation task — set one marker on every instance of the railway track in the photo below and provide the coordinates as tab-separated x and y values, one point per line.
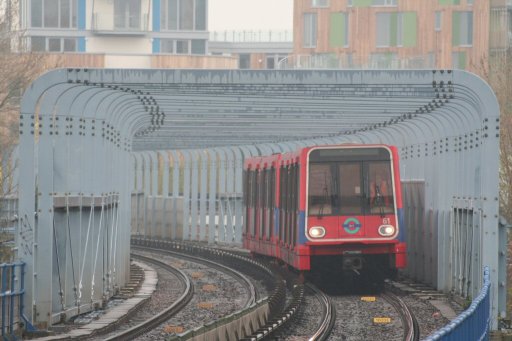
328	318
226	262
246	282
167	313
410	324
281	313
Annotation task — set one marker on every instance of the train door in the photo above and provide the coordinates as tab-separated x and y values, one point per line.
349	182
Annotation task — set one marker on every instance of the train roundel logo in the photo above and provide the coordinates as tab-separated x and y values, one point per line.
352	225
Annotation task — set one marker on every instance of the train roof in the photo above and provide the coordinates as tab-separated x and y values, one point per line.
258	162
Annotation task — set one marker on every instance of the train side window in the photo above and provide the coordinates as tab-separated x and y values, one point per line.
254	195
295	194
261	206
267	203
244	186
284	179
289	207
246	199
272	199
256	200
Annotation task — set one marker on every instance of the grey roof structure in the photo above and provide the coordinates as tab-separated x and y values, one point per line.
162	151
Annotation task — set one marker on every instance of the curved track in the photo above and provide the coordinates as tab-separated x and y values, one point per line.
411	326
329	317
253	293
165	314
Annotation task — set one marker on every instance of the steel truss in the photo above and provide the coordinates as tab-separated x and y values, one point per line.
162	151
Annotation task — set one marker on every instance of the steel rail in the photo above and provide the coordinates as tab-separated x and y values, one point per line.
281	319
329	318
411	326
253	294
276	301
164	315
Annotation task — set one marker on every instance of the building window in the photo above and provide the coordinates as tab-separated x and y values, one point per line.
200	18
38	44
69	45
384	2
366	3
127	14
319	3
310	28
438	20
449	2
396	29
470	2
167	46
338	34
462	29
198	46
53	44
183	46
459	60
53	13
244	61
183	15
186	17
383	60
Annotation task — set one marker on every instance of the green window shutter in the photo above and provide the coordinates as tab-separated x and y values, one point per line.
462	60
337	34
362	3
409	29
455	28
449	2
393	29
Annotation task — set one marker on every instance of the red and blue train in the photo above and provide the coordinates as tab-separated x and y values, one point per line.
334	208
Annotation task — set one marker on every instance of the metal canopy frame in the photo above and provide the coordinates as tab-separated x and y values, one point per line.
162	151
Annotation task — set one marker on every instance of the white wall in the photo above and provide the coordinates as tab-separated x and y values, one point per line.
119	44
132	62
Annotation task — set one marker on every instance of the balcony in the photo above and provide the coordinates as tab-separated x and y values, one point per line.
350	62
124	24
252	36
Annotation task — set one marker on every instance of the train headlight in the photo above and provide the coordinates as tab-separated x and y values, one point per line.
387	230
317	232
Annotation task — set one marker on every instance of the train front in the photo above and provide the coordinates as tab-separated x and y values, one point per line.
353	211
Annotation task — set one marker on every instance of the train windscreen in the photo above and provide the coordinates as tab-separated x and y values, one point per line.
350	182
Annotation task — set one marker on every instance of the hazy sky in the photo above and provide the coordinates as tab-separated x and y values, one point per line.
250	14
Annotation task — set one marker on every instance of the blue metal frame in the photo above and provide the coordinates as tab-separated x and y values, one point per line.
8	293
474	322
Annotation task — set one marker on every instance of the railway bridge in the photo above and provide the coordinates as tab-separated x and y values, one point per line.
106	154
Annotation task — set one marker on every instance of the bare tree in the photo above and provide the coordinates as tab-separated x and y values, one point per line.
18	69
497	71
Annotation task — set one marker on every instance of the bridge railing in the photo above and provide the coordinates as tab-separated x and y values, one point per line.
12	290
471	324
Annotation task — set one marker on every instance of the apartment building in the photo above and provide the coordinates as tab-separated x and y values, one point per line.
400	33
254	49
126	33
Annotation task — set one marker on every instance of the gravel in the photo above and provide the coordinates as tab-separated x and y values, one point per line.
215	295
